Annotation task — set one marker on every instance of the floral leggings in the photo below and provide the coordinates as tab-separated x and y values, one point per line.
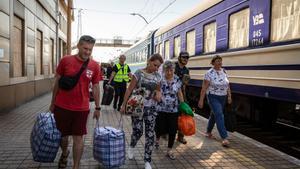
149	117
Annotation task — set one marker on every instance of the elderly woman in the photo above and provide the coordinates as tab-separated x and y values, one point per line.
216	87
167	120
148	79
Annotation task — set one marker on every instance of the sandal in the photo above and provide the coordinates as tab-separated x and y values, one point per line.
209	135
171	155
63	160
225	143
182	140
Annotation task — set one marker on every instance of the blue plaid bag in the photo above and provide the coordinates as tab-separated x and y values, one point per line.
45	138
109	146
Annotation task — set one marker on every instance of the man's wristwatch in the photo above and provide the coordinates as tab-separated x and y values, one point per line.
98	108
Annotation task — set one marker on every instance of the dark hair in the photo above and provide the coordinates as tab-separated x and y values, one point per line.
215	58
168	65
156	56
122	56
184	54
87	38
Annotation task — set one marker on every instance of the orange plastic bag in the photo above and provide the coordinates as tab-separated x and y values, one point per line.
186	124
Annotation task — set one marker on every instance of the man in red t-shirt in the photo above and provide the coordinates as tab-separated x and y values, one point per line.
71	107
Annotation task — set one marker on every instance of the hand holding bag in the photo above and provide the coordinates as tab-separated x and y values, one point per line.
186	109
135	103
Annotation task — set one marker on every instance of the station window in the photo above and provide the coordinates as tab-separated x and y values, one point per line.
167	50
18	49
239	29
39	53
210	37
285	23
190	42
176	46
52	56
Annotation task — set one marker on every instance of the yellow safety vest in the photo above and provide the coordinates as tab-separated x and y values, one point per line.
121	75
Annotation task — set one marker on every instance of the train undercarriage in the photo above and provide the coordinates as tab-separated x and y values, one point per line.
261	111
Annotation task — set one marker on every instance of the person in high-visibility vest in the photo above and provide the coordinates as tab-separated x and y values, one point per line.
120	76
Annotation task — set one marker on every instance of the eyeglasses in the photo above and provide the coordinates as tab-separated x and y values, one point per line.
185	57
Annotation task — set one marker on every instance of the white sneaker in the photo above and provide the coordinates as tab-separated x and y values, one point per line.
130	153
147	165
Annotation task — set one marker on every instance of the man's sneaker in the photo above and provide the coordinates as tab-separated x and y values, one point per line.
130	153
147	165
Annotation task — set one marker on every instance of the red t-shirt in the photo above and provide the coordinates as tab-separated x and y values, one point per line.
77	99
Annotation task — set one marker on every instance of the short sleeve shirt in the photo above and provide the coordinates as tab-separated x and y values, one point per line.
77	99
169	100
181	71
218	82
150	82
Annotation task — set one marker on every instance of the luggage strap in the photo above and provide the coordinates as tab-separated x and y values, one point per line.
120	126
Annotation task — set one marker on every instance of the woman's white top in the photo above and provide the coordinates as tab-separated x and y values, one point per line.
218	82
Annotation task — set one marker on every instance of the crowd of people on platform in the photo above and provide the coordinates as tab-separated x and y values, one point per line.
163	92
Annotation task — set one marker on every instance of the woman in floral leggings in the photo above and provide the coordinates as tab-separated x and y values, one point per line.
149	79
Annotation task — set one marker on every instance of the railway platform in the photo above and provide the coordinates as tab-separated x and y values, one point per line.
199	152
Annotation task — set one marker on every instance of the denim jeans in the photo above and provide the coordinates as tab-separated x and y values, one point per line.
217	104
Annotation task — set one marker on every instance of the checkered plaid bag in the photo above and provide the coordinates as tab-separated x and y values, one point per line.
109	146
45	138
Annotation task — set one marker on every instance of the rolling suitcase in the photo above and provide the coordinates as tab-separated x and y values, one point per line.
108	95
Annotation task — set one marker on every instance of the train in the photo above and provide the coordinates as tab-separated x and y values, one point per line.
259	41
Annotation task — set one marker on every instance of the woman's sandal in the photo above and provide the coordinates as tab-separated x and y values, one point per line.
225	143
171	155
210	136
63	160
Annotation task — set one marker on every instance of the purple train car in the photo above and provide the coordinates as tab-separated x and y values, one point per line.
259	41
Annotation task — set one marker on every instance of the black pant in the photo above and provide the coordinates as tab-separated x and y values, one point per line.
120	89
167	123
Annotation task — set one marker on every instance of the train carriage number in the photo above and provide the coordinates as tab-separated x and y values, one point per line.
256	35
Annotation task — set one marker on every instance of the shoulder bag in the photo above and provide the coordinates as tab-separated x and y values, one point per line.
69	82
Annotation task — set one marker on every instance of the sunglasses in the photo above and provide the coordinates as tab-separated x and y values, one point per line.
185	57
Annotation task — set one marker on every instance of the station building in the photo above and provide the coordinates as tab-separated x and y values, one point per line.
33	36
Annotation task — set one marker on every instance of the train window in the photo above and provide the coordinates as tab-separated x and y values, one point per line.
156	48
210	37
285	20
239	29
160	49
176	46
167	50
190	42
